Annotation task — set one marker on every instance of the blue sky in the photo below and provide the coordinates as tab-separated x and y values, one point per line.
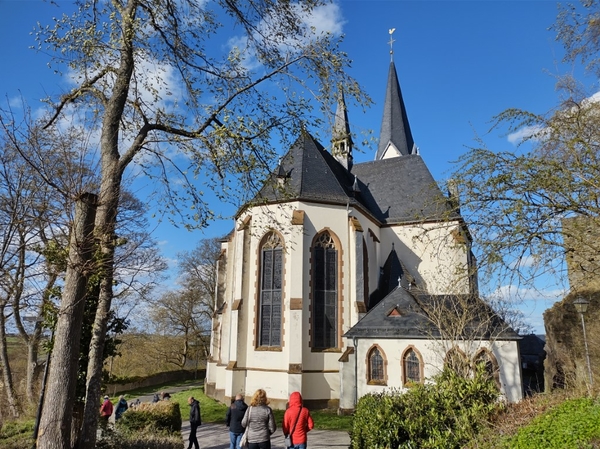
459	64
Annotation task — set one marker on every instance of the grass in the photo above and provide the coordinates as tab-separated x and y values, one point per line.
214	411
16	434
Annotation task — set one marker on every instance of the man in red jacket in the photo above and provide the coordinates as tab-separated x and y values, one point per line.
106	410
297	422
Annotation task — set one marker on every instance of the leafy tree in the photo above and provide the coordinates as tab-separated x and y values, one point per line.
149	75
35	211
532	208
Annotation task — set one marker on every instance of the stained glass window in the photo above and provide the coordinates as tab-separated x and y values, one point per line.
325	294
412	367
376	373
270	291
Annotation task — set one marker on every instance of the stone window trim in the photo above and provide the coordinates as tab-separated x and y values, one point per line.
485	352
369	368
456	355
340	288
270	237
411	349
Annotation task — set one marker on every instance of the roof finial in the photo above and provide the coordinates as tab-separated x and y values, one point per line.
391	42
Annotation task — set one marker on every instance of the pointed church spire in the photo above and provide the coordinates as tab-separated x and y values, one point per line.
341	141
395	137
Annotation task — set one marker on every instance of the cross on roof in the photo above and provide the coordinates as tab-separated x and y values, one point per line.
391	42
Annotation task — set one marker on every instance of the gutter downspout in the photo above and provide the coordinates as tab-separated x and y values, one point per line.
355	343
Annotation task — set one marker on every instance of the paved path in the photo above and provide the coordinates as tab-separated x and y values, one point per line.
216	436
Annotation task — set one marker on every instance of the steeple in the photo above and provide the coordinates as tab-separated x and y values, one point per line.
395	138
341	139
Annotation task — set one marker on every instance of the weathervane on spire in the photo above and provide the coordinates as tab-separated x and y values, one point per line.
391	42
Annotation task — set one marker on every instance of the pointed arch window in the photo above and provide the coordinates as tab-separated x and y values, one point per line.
490	365
376	367
325	292
412	366
271	270
457	361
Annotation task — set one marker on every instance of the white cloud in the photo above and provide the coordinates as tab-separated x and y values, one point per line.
526	133
326	19
536	133
515	293
322	20
531	302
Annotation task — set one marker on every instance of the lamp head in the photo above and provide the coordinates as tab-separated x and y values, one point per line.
581	304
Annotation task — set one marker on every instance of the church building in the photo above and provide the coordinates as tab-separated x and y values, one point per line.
343	279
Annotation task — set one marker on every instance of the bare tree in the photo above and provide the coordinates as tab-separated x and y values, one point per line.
198	273
220	111
30	225
177	314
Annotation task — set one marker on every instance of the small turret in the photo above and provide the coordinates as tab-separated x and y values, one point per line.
341	139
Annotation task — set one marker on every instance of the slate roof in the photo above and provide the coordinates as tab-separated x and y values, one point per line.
394	124
413	322
395	190
401	189
312	174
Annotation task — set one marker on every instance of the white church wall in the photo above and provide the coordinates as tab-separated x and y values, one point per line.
431	253
432	356
273	382
511	376
317	386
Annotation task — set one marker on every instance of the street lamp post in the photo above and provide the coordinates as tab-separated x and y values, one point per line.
581	305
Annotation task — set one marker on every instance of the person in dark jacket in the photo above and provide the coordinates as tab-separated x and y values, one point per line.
297	421
195	421
233	419
121	407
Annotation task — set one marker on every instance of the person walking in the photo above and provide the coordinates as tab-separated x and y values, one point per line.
195	421
259	421
233	420
297	422
121	407
106	410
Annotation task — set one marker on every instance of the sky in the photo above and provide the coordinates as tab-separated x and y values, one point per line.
459	64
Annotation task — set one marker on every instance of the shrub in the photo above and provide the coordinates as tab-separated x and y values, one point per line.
161	416
442	415
574	424
138	440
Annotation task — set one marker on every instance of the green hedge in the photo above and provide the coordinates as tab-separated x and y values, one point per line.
138	440
160	416
441	415
575	424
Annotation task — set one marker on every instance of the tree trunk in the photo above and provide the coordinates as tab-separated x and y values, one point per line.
55	422
105	230
32	357
6	370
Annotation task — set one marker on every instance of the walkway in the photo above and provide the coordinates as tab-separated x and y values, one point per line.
216	436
